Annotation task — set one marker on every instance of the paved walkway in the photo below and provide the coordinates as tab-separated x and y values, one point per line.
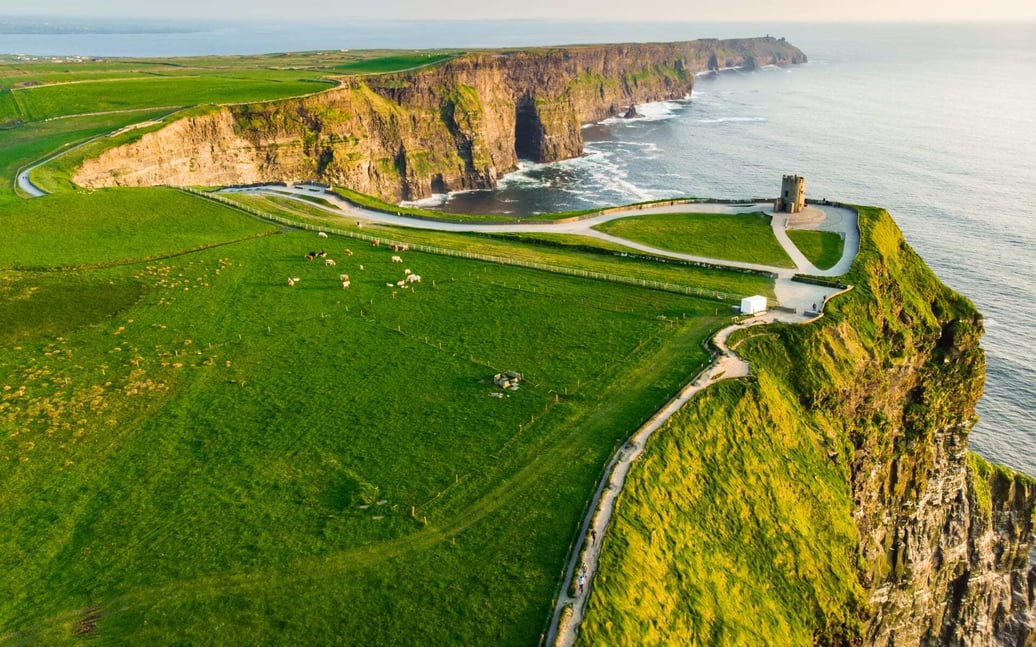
726	365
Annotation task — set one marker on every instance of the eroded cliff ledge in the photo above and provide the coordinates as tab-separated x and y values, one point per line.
460	125
831	499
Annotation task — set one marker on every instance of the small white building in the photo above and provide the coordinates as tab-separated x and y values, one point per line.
753	304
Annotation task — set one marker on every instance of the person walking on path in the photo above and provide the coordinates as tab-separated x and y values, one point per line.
593	536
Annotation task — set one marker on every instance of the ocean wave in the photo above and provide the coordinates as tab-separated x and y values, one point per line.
434	200
653	111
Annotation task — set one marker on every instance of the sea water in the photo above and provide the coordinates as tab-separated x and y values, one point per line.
937	123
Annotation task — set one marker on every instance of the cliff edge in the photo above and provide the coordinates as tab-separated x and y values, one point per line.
459	125
830	499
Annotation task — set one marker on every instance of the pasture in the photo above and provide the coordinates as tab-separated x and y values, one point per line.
383	64
195	451
34	91
740	237
822	248
554	249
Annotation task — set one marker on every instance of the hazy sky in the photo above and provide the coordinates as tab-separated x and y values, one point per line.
614	10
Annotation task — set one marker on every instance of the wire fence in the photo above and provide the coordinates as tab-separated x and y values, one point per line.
665	286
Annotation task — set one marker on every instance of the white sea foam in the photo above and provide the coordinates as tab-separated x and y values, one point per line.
434	200
653	111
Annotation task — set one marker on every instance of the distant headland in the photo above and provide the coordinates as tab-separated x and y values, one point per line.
455	125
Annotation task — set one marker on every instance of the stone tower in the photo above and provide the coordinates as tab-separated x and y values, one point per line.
793	194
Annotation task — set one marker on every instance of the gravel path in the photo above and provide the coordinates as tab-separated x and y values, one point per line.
726	365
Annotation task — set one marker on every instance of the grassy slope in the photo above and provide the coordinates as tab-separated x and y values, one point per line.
383	64
46	101
822	248
737	527
27	143
116	226
746	237
190	443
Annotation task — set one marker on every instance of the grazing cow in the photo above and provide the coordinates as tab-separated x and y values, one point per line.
321	234
348	252
376	242
329	261
343	277
390	285
413	278
407	271
361	267
401	283
292	282
310	256
404	247
322	254
397	259
345	285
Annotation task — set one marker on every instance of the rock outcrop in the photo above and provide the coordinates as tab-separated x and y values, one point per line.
459	125
835	492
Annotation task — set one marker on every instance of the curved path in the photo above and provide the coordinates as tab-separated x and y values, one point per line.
726	365
802	297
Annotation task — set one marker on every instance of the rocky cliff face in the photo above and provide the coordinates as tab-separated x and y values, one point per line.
946	539
831	500
457	126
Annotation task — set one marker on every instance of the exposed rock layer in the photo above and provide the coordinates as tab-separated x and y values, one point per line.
460	125
848	450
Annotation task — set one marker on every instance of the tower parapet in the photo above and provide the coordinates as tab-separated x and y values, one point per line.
793	194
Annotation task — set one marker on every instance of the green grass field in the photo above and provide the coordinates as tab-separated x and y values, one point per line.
197	451
383	64
822	248
193	451
743	237
84	97
44	90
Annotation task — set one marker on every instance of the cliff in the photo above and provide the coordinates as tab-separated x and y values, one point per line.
831	499
460	125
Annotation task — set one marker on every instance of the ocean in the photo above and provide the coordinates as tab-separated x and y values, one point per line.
936	123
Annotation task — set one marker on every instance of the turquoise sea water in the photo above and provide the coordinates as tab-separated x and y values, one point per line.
937	123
